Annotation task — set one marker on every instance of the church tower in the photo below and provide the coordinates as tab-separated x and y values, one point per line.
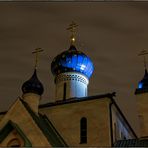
33	89
72	70
142	101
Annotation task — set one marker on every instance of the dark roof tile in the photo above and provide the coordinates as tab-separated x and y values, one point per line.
132	143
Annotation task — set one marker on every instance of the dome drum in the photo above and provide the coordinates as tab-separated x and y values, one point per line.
70	76
71	85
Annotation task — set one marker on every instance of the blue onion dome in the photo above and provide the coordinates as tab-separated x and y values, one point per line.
33	85
72	60
143	84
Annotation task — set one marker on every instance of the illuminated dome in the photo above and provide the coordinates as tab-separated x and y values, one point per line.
33	85
72	60
144	82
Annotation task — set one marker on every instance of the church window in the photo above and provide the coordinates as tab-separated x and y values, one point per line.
64	92
83	130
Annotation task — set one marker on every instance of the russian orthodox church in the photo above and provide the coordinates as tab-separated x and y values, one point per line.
74	118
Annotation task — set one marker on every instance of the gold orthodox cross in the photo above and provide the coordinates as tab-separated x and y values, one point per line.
37	50
72	28
143	53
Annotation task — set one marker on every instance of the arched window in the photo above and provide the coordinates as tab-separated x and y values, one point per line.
64	92
83	130
15	142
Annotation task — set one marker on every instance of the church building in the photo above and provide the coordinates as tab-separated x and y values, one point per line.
74	118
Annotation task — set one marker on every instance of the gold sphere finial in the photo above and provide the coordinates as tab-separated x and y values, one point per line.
72	28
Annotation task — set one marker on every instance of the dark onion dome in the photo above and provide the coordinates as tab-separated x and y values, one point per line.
72	60
33	85
143	84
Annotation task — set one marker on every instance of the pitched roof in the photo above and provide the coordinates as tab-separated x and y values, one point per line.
121	113
46	127
132	143
8	128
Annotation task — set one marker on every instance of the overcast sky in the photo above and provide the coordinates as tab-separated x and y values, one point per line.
111	33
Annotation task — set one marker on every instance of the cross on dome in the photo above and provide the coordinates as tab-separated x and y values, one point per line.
72	28
143	53
37	50
33	85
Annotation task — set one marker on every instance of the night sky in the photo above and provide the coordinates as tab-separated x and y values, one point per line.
111	33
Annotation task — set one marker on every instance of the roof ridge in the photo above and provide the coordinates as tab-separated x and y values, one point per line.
8	127
131	143
43	127
50	126
75	99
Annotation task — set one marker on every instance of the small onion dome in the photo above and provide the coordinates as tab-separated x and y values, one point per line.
72	60
33	85
143	84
